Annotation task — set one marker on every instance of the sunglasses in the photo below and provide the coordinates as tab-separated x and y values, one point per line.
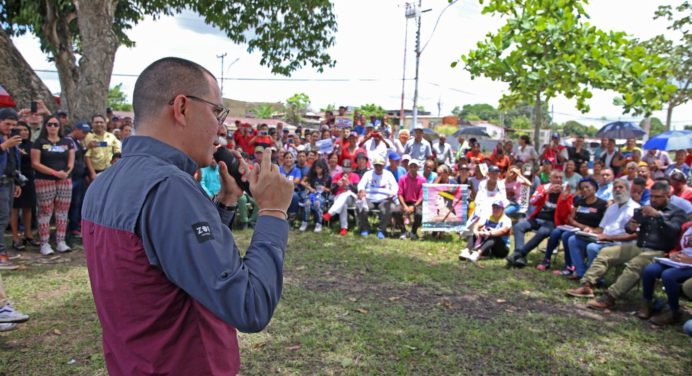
52	124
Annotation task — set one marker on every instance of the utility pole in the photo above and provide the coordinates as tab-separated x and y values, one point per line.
410	13
222	56
415	91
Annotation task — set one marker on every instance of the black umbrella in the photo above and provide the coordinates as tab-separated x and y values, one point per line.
620	129
472	131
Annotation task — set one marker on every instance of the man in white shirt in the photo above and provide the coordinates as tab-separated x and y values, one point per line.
377	189
443	151
375	146
610	232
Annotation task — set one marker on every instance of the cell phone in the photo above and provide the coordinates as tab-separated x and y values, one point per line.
15	132
34	107
290	141
638	216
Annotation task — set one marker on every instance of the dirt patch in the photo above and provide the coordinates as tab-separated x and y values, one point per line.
462	300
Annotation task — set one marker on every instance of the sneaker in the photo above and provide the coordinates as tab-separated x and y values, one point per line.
32	242
9	314
380	235
6	264
46	249
326	217
62	247
7	327
18	245
511	259
520	262
404	236
543	266
318	227
343	231
414	236
303	226
364	234
475	256
464	254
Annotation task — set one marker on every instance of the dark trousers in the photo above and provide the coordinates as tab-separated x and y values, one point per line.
672	279
385	208
74	215
493	246
398	213
542	227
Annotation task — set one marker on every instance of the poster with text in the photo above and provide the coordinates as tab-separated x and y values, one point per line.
343	122
445	207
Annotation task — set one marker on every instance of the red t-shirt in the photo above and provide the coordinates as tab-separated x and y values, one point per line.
244	141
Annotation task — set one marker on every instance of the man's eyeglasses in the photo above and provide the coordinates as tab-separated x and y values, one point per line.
220	112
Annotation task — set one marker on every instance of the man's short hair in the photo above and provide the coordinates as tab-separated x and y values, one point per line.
639	181
163	80
661	186
623	181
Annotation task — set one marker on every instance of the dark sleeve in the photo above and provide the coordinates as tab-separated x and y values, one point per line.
183	234
38	144
671	222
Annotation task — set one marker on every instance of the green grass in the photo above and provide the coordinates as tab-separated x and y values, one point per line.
355	306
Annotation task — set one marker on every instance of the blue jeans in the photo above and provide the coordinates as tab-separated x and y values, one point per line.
542	227
74	215
671	277
580	249
512	208
555	236
295	203
6	200
315	204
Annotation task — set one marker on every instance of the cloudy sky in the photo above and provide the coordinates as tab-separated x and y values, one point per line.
369	52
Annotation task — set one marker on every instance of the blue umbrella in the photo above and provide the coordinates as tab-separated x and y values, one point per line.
620	129
670	140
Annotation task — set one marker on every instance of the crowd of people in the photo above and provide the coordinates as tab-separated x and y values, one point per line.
605	207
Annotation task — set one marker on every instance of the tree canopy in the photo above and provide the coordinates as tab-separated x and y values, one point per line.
81	37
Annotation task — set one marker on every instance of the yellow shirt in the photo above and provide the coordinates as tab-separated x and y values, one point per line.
102	154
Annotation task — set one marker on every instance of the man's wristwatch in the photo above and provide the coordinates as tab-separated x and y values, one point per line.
219	204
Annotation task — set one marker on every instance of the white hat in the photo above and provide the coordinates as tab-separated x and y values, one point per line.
418	126
415	162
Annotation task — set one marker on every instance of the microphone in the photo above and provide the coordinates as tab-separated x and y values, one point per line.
233	164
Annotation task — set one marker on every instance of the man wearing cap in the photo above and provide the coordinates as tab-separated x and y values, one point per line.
394	165
418	148
9	164
555	152
377	189
490	235
443	151
410	197
101	146
79	176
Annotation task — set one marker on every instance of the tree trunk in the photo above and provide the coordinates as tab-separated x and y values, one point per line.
17	77
86	86
537	122
669	115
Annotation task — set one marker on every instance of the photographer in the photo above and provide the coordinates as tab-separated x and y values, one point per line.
9	162
148	228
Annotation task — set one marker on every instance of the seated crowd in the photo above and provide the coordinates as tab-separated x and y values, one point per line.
619	206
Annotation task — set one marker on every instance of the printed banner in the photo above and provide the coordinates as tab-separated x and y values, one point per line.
343	122
325	146
445	207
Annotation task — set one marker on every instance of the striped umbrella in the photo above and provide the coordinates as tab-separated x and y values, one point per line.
670	140
620	129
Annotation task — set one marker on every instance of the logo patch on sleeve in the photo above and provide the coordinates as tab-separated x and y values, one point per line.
202	231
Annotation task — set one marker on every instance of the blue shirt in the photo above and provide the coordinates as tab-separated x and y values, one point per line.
605	192
211	180
400	171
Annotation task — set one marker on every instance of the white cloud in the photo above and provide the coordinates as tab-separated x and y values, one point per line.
369	54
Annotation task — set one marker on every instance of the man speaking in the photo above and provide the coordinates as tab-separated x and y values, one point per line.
169	283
